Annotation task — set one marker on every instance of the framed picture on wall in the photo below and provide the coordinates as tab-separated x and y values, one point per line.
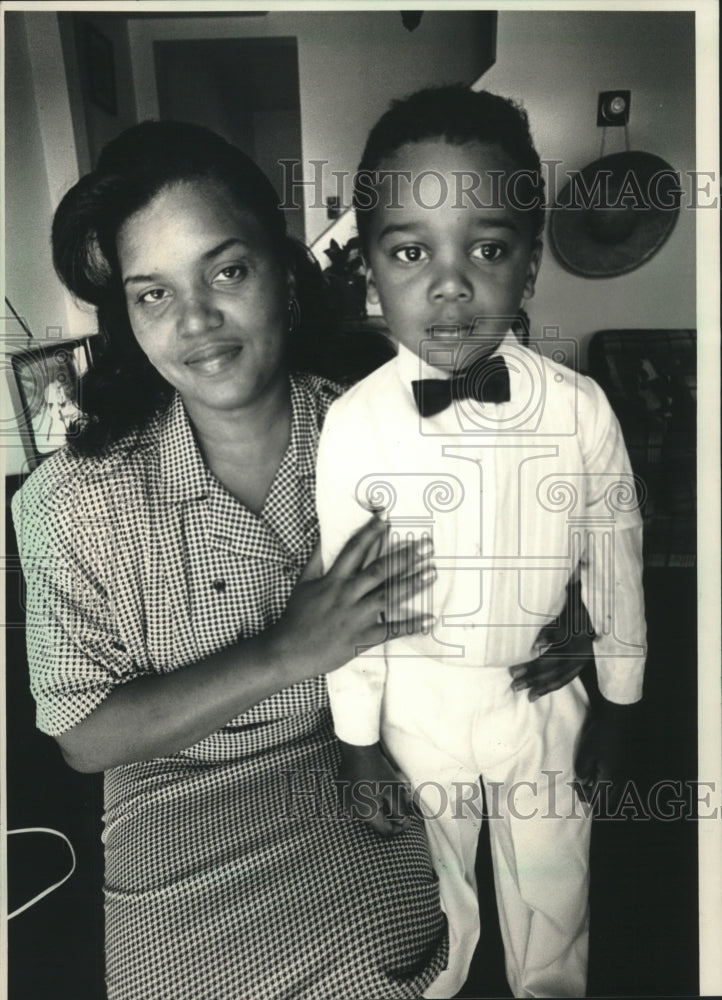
100	69
46	390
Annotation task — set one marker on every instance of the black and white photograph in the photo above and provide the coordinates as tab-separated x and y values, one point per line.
361	462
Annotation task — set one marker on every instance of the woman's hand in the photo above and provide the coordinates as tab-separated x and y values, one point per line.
564	650
554	667
328	619
325	620
373	790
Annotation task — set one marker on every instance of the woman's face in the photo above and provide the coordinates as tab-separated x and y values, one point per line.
207	297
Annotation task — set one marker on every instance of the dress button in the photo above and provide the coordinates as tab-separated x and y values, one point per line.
289	571
219	586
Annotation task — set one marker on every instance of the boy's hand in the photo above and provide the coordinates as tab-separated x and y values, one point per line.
605	755
373	790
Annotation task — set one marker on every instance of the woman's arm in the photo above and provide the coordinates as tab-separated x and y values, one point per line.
156	715
325	620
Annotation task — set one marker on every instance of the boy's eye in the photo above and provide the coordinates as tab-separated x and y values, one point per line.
153	296
410	255
231	273
488	251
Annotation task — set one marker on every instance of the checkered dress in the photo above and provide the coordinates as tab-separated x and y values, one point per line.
229	873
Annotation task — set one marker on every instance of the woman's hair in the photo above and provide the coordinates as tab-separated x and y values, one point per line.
458	115
123	390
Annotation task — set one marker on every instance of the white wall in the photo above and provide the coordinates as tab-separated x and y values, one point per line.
556	62
350	65
40	165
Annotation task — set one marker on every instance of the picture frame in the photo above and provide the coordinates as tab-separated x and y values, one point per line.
100	70
47	394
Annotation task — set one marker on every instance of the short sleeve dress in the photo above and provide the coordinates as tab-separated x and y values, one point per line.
229	872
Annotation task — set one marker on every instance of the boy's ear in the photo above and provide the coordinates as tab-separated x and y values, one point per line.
372	291
533	269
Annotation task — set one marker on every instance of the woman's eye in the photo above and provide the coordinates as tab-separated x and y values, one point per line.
231	273
410	255
488	251
153	296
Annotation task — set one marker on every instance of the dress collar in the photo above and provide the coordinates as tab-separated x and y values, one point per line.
304	429
184	473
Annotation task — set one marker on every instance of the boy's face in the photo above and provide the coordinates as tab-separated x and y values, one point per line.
448	250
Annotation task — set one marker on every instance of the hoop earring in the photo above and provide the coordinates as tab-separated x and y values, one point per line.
294	316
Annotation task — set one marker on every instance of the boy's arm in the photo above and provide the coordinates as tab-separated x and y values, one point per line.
356	689
369	785
611	575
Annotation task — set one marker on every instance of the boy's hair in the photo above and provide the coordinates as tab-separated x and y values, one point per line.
458	115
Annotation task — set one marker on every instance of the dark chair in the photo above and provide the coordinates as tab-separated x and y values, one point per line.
650	377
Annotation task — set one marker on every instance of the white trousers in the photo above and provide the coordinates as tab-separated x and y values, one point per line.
444	726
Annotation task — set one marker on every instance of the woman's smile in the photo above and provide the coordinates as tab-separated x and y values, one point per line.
213	359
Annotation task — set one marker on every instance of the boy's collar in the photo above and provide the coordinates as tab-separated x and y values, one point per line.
412	367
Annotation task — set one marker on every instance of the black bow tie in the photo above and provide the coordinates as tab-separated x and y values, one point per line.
486	380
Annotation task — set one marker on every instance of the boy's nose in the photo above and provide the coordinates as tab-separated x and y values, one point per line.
450	285
198	315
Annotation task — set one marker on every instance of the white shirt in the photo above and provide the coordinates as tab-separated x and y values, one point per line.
515	495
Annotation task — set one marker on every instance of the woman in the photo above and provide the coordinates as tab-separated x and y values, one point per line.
175	639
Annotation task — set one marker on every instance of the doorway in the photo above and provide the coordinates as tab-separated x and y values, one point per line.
246	89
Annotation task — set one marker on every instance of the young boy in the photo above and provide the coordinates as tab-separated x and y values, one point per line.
515	468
